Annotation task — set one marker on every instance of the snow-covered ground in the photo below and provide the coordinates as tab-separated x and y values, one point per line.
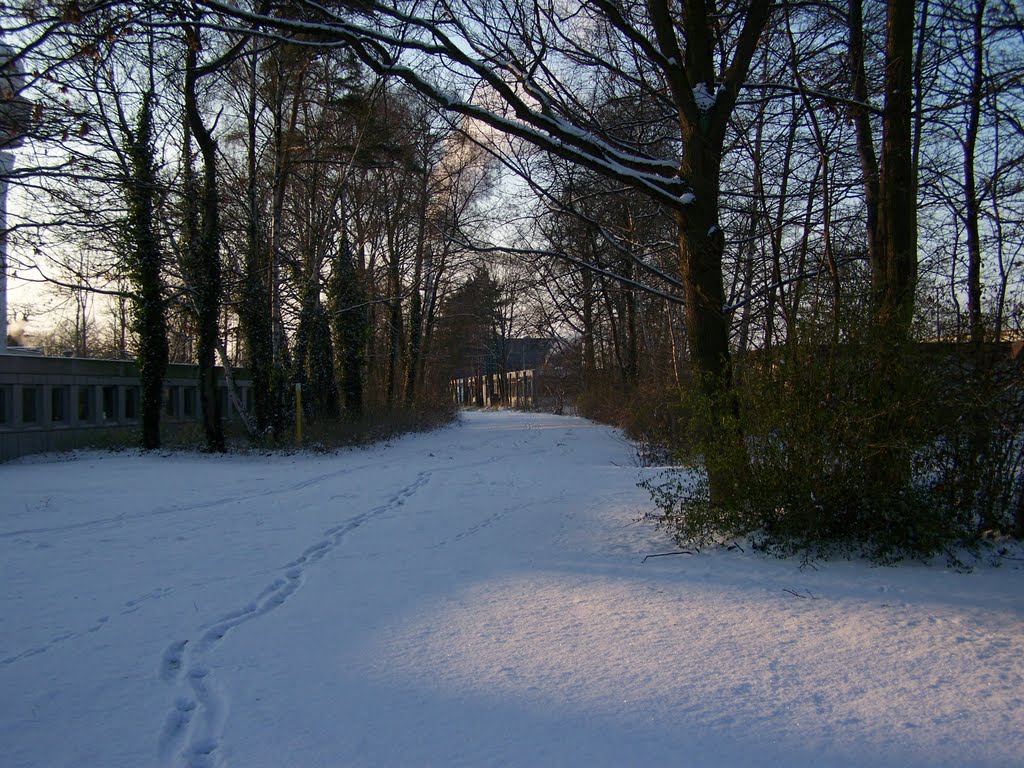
470	597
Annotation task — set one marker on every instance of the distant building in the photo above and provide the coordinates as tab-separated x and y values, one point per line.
506	355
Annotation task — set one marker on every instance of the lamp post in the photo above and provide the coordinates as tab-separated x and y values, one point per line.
14	118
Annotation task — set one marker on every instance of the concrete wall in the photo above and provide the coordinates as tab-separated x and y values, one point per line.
58	403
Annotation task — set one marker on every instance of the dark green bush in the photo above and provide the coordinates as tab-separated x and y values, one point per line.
376	424
890	453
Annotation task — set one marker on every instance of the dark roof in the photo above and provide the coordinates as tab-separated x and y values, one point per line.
526	354
516	354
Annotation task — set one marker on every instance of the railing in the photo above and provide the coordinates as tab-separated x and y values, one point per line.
58	403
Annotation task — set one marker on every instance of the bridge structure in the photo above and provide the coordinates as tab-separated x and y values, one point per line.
59	403
515	389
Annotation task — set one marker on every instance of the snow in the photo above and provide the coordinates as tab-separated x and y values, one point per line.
474	596
704	99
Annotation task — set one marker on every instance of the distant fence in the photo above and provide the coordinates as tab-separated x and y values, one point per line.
58	403
516	389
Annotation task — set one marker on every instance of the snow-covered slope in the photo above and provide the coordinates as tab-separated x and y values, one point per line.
470	597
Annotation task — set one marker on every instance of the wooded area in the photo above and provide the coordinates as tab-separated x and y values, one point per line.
782	240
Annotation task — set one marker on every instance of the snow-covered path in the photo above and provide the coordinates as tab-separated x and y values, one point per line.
475	597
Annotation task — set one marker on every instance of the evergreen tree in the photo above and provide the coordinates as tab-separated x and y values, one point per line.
314	358
350	325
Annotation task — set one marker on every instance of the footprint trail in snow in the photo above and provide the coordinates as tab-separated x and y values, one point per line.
191	735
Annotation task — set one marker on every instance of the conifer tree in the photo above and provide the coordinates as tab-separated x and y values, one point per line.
314	358
350	325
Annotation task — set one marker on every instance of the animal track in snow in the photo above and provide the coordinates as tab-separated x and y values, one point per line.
485	522
155	594
147	514
171	664
56	640
176	725
192	730
131	606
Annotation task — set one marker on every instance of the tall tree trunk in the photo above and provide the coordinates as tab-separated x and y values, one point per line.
395	327
865	139
145	262
416	304
971	202
701	250
750	237
350	323
204	247
434	270
283	127
891	198
824	153
589	357
255	308
631	370
704	106
894	275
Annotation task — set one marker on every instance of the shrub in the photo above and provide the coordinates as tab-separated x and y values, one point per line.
660	425
885	452
375	424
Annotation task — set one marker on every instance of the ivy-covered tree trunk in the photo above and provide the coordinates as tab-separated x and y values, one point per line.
347	302
203	249
144	263
255	321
